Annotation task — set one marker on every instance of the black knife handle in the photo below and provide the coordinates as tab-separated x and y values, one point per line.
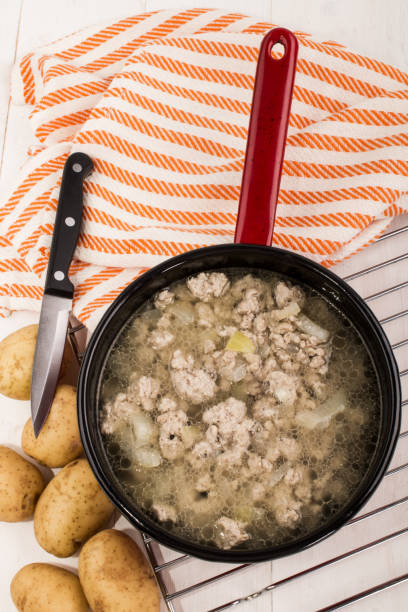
67	225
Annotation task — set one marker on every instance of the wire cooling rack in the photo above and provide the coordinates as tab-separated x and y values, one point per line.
189	584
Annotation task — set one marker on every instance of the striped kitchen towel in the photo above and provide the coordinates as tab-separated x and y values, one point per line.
161	103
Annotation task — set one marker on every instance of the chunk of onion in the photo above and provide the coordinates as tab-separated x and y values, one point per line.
277	475
190	435
143	429
147	457
238	373
283	395
321	417
241	343
309	327
183	311
291	310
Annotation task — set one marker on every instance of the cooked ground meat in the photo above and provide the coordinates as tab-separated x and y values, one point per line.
163	299
143	390
238	409
158	339
165	513
229	532
194	384
206	286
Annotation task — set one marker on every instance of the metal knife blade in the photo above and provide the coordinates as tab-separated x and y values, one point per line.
58	290
49	350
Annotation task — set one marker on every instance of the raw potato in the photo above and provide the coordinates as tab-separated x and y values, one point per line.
71	509
58	442
41	587
115	575
21	484
16	362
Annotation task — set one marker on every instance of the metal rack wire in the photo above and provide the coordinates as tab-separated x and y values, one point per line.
173	596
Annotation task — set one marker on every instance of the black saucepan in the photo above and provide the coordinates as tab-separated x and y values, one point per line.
260	185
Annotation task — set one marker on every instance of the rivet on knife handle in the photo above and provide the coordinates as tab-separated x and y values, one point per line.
67	225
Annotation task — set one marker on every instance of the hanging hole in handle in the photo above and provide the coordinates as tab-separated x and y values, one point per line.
278	51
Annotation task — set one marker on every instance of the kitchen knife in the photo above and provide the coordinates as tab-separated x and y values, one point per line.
58	289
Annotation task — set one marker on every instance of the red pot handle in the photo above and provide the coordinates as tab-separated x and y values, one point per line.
267	131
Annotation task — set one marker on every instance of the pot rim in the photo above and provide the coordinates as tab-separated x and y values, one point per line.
159	533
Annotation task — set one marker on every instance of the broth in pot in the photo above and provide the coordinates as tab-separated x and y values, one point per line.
239	410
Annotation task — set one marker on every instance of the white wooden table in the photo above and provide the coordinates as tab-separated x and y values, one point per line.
374	27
